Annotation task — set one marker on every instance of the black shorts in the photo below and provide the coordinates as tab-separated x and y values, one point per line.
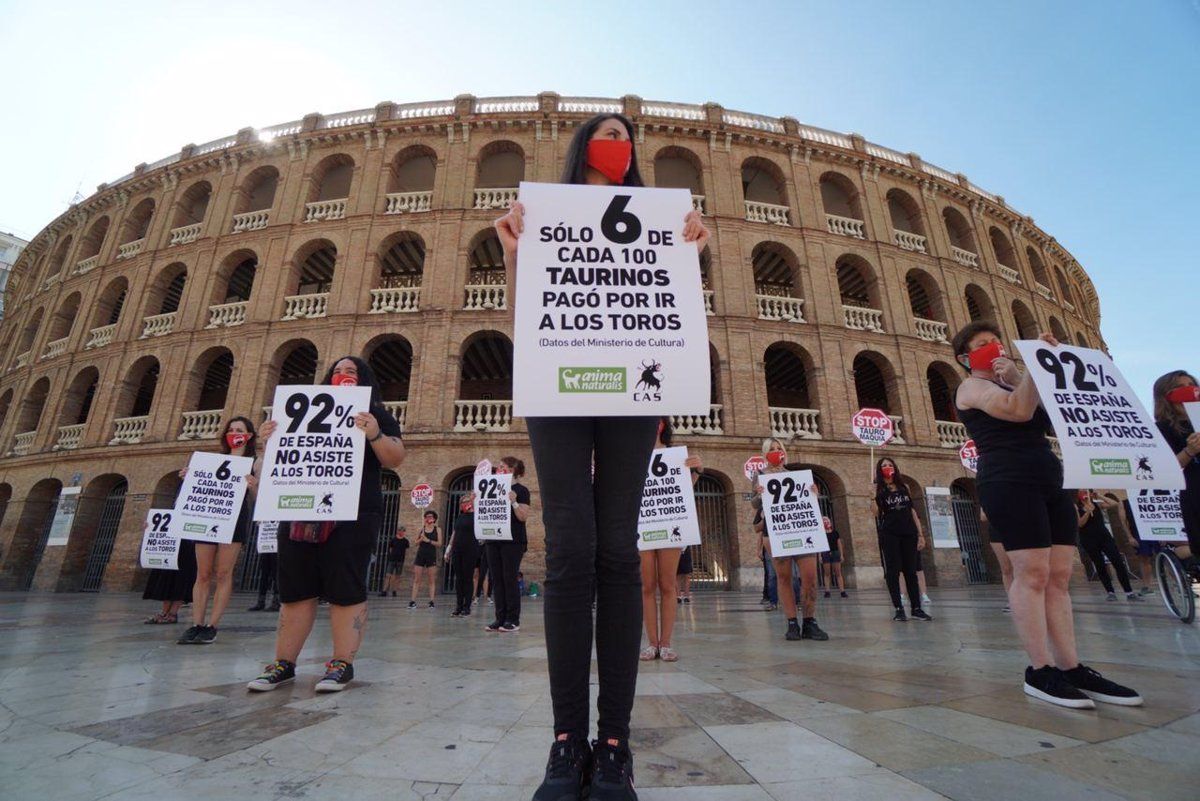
832	557
1022	516
920	567
426	557
335	570
395	566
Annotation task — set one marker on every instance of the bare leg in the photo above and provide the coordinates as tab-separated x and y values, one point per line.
226	558
295	624
668	561
416	584
783	575
1027	597
349	624
836	570
649	605
206	560
921	581
1006	568
173	609
808	585
1060	622
430	580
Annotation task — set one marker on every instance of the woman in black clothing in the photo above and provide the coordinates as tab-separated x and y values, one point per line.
462	552
1021	491
397	550
504	556
1171	391
591	527
900	537
429	538
172	587
1098	543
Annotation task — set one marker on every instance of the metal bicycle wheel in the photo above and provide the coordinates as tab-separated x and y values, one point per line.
1175	585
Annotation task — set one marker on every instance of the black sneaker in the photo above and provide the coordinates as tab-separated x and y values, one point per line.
274	607
845	594
921	614
1098	688
338	673
510	628
793	631
826	593
189	636
412	604
206	636
900	617
431	606
567	771
493	627
466	612
456	613
811	631
274	675
1048	684
612	772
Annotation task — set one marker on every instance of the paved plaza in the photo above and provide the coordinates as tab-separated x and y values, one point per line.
93	705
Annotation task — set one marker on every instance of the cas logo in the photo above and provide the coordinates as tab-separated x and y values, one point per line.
649	383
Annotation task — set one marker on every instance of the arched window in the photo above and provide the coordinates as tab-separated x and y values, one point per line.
792	404
942	382
107	313
1039	270
1006	257
908	227
485	383
1059	330
486	280
857	292
777	288
254	198
163	299
329	188
843	206
876	387
28	336
190	211
962	237
56	261
410	180
297	362
498	173
765	191
60	326
77	406
392	360
401	260
137	225
679	168
316	262
1027	327
89	247
979	305
32	406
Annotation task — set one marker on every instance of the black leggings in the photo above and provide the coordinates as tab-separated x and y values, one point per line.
1099	547
463	559
267	566
900	556
591	553
504	559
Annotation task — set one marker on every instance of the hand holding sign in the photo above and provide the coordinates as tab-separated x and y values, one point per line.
210	499
160	549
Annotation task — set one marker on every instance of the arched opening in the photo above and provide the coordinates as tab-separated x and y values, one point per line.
5	405
391	358
166	292
93	240
924	296
108	312
856	290
93	533
459	483
487	364
235	280
501	165
57	260
486	287
316	262
979	305
137	222
1002	247
192	206
136	394
961	235
215	368
765	191
714	560
61	324
1064	287
876	386
1080	340
32	407
777	282
401	261
413	170
1059	330
296	364
257	192
792	404
908	227
842	203
942	383
714	375
331	179
78	400
1027	327
33	529
978	559
1038	267
679	168
28	335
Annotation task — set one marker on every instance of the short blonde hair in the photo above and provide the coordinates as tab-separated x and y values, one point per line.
767	445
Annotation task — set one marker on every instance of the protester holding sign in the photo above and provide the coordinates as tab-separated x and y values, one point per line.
832	559
1098	543
329	559
659	567
462	552
1171	391
172	587
218	559
429	539
504	556
1020	484
901	537
591	542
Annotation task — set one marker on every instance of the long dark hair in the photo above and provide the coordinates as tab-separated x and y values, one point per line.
668	433
251	449
880	482
366	378
1164	410
575	167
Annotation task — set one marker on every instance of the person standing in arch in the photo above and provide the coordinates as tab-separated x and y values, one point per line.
900	535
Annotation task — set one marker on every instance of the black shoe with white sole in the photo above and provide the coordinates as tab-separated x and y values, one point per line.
921	614
612	772
338	673
1049	684
189	636
568	771
900	617
206	636
1098	688
510	628
277	673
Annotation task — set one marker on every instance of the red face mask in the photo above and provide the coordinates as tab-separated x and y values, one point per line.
343	380
235	440
610	158
1184	395
888	471
982	358
775	458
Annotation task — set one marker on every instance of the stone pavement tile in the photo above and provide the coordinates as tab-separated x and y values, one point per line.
958	683
1013	706
493	792
735	792
230	735
881	785
793	706
497	708
97	706
657	712
683	757
915	692
1006	780
517	760
784	752
673	683
1122	773
1159	745
863	700
893	745
218	780
993	736
432	751
715	710
330	743
1189	725
359	788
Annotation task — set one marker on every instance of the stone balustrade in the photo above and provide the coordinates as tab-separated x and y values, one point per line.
87	265
799	423
909	241
22	360
325	210
408	202
931	330
158	325
486	297
56	348
858	318
1043	290
846	226
399	410
129	430
1068	305
305	307
251	220
482	415
774	307
23	443
99	337
266	411
69	437
951	434
495	198
698	203
965	257
184	234
712	423
205	424
767	213
709	303
226	315
51	280
897	433
395	300
1009	274
130	249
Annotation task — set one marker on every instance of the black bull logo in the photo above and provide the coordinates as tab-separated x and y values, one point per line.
649	380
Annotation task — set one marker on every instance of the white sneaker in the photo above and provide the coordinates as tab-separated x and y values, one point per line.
925	601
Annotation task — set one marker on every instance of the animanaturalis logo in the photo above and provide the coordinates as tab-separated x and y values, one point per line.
1110	467
591	379
296	502
195	528
1163	532
654	536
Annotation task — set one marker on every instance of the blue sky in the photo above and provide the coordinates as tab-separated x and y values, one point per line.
1083	115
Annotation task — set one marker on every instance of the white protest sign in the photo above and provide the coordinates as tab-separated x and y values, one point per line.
668	516
160	549
968	454
313	465
1158	515
64	516
268	536
421	495
942	528
484	468
872	427
1108	440
792	514
609	309
1193	414
210	499
493	510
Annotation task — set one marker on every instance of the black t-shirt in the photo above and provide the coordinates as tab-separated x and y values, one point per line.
518	526
370	498
1177	439
464	531
428	548
895	510
835	540
1016	452
1093	529
397	548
